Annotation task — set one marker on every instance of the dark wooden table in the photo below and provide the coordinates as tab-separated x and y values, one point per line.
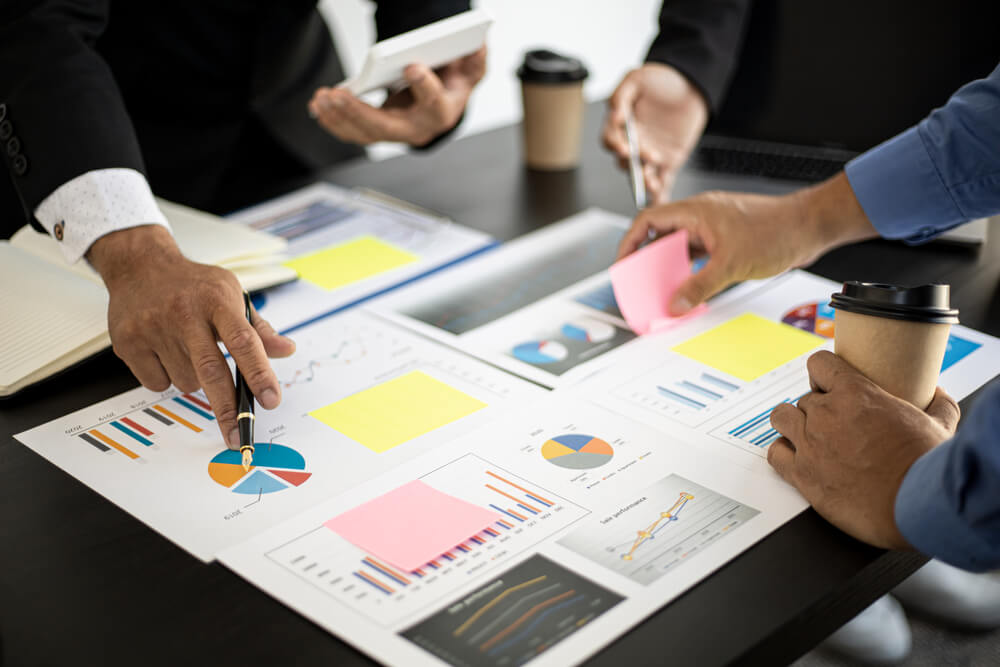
82	582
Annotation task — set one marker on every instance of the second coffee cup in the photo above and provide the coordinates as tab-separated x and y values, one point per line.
552	91
896	336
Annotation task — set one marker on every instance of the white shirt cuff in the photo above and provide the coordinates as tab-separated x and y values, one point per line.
96	203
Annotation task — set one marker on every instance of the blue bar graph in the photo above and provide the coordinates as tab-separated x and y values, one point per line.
757	430
719	382
681	398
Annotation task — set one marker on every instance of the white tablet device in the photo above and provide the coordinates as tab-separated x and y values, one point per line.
433	45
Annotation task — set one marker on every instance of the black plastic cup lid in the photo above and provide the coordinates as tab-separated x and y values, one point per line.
544	66
924	303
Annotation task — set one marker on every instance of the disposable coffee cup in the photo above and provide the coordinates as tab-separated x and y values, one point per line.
896	336
552	92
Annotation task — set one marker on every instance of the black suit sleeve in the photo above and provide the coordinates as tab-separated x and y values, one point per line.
63	114
702	40
394	17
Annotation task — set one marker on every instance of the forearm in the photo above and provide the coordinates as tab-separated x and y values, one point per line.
947	506
829	215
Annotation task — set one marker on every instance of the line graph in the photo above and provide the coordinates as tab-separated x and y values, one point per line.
514	617
665	518
667	524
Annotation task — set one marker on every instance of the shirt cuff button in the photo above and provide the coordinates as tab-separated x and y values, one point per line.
57	231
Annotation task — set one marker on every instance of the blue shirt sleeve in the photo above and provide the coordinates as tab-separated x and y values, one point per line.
938	174
948	505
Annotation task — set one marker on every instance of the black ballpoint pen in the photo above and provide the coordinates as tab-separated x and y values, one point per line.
244	406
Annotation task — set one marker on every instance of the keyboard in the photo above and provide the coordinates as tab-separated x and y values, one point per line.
770	160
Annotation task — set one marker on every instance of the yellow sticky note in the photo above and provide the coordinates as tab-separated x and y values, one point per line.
349	262
397	411
748	346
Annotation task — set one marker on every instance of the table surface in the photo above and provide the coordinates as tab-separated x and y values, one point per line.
83	581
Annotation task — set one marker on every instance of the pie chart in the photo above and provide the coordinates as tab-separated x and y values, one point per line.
588	330
541	352
577	451
275	468
816	317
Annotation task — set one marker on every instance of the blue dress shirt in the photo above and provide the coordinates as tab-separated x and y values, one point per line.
939	174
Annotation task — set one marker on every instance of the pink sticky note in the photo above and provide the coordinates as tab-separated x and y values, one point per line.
411	525
645	281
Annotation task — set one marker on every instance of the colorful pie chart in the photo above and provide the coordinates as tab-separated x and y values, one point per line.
577	451
816	317
540	352
275	468
588	330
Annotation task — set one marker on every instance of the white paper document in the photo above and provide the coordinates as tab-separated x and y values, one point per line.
540	306
346	247
599	522
359	397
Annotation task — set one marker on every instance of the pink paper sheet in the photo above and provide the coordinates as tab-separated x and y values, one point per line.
411	525
645	282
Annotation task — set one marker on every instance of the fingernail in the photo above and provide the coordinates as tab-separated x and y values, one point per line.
680	306
269	398
234	438
313	111
339	101
325	103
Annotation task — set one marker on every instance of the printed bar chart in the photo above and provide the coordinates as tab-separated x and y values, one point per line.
751	429
367	584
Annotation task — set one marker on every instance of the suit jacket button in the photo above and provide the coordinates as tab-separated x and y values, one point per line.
20	164
3	111
6	129
13	146
57	231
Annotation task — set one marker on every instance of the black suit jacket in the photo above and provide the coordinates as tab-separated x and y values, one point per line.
206	97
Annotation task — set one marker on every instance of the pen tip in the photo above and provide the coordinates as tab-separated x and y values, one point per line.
247	458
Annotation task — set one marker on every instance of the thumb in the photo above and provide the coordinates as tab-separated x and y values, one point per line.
275	345
619	105
425	85
699	287
945	410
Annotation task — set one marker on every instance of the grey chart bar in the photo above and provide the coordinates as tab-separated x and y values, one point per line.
157	416
95	442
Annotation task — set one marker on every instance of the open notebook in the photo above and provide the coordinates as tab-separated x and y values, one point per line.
55	314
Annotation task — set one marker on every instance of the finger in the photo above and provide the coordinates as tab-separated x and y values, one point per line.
216	381
781	456
146	368
944	409
333	117
426	87
275	345
635	236
247	350
805	403
708	282
177	362
372	124
790	422
826	368
620	103
651	175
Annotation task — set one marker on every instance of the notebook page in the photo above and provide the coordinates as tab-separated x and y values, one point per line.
48	313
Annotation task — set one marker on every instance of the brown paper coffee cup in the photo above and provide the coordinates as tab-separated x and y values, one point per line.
895	336
552	94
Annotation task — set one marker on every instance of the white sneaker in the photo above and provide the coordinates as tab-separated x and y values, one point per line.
880	635
968	600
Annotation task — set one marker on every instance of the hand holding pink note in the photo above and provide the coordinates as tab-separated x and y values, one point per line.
411	525
645	282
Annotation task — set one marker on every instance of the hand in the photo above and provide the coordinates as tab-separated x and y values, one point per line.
848	445
432	104
670	115
750	236
167	313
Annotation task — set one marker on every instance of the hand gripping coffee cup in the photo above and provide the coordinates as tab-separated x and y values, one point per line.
552	91
896	336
